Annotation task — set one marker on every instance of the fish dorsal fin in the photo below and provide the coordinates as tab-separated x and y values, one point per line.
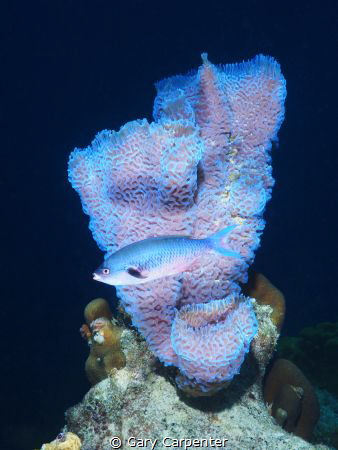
136	272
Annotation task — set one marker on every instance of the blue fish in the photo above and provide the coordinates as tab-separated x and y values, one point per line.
159	257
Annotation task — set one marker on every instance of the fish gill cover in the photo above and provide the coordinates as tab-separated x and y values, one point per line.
201	166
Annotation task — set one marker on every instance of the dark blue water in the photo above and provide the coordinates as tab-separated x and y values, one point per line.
72	68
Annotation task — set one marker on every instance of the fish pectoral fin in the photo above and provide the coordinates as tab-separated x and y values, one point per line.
136	272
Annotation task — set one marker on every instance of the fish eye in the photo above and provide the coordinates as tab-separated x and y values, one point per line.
105	271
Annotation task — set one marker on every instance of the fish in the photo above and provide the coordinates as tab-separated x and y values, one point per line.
158	257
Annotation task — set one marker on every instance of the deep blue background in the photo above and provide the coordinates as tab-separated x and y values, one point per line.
72	68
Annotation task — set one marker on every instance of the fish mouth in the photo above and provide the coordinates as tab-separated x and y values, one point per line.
96	277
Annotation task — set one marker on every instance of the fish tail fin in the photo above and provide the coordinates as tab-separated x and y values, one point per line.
216	242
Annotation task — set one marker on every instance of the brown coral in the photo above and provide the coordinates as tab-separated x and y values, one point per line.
64	441
291	398
104	340
261	289
99	307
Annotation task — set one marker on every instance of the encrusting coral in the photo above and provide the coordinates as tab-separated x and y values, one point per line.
291	398
103	338
99	307
265	293
201	166
64	441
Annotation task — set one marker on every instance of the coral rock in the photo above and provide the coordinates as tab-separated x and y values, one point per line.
137	401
